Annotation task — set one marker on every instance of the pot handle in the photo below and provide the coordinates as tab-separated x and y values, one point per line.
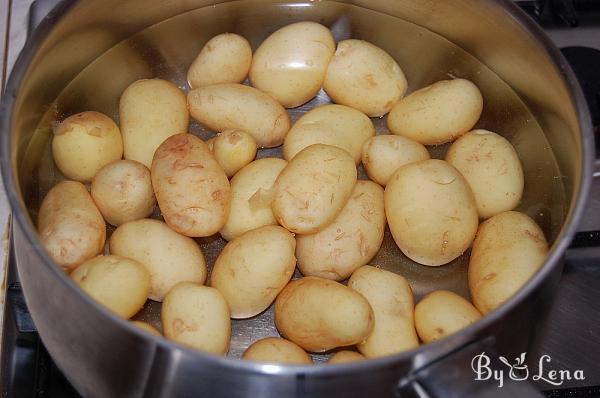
454	376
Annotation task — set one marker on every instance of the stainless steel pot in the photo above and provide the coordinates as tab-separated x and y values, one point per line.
86	52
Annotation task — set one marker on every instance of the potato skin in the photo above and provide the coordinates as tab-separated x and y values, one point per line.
438	113
70	226
431	212
168	256
391	299
492	168
350	241
313	188
197	316
509	248
290	64
345	357
442	313
382	155
147	327
336	125
84	143
253	268
319	314
225	58
276	350
223	107
123	192
365	77
233	149
118	283
191	188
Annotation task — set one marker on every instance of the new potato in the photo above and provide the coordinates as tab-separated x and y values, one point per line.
233	149
147	327
276	350
345	357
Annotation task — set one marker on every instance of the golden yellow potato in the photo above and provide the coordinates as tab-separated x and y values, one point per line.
391	298
350	241
363	76
382	155
290	64
345	357
168	256
197	316
123	192
336	125
251	196
510	247
431	212
191	188
147	327
150	111
319	314
222	107
118	283
438	113
253	268
492	168
84	143
276	350
225	58
442	313
70	226
313	188
233	149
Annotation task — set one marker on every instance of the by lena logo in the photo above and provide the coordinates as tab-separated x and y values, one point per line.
519	371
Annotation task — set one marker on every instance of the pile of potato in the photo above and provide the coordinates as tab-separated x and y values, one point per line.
307	210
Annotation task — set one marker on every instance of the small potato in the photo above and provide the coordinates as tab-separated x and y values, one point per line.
336	125
150	111
223	107
314	188
225	58
253	268
71	228
123	192
191	188
168	256
431	212
438	113
345	357
508	250
84	143
197	316
276	350
365	77
391	298
290	64
350	241
384	154
492	168
319	314
118	283
442	313
233	149
147	327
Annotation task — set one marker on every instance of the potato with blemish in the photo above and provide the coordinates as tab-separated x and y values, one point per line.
345	357
191	188
350	241
147	327
197	317
320	314
508	250
365	77
84	143
442	313
492	168
123	192
118	283
233	149
382	155
226	58
253	268
70	226
431	212
313	188
276	350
